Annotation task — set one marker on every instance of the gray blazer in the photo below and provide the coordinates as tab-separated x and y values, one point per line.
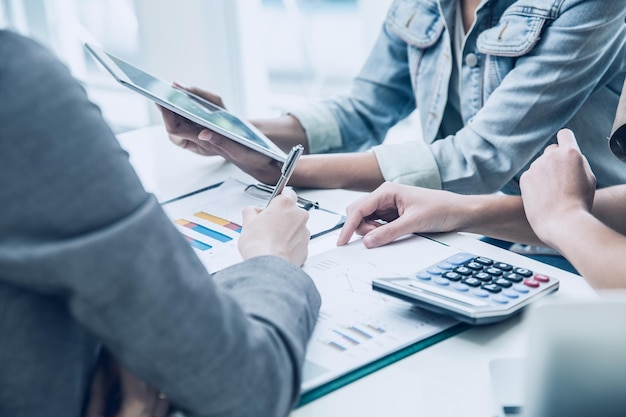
87	257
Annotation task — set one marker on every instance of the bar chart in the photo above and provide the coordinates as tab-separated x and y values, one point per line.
203	230
357	325
210	221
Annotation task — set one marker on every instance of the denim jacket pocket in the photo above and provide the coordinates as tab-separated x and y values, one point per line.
418	23
515	35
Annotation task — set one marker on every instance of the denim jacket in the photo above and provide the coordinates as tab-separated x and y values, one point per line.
529	68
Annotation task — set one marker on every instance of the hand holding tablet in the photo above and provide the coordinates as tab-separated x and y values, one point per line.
185	103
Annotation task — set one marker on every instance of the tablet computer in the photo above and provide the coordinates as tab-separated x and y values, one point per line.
187	104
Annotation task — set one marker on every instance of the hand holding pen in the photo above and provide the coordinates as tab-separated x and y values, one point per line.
285	172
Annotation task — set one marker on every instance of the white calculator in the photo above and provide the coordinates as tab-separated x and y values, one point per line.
473	289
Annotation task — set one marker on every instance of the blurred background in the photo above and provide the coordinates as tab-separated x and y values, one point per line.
261	56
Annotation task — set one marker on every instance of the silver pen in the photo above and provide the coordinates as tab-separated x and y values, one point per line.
285	172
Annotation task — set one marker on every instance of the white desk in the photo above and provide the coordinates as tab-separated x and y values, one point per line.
450	378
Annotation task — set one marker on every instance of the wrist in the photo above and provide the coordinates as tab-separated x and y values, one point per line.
285	131
474	213
557	230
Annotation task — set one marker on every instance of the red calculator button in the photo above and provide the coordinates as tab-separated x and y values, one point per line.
541	278
531	283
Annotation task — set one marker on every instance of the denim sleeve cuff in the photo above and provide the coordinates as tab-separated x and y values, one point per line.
409	163
320	126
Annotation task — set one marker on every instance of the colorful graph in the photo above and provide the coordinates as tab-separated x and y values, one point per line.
360	332
219	221
336	346
197	244
341	338
376	328
349	339
204	230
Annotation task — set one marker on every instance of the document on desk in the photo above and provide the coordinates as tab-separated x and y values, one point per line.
210	219
358	326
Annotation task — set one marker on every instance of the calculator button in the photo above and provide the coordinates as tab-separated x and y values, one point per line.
479	281
514	277
472	282
503	266
503	282
493	271
445	292
500	299
521	288
460	258
452	276
446	266
480	293
492	288
523	272
474	265
463	270
423	275
510	293
483	260
531	283
482	276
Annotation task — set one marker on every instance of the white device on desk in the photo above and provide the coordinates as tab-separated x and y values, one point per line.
575	365
474	289
187	104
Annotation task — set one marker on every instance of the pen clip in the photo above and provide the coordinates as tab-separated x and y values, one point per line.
292	158
287	169
263	191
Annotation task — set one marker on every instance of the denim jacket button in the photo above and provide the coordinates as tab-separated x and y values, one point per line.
471	60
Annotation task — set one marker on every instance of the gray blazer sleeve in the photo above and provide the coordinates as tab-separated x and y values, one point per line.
76	223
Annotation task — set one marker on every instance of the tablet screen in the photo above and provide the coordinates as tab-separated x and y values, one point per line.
187	104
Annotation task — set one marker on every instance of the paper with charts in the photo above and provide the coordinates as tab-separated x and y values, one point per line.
211	219
356	325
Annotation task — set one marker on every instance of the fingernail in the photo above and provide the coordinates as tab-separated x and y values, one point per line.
369	241
205	135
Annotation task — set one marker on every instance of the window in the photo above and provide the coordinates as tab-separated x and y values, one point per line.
261	56
63	26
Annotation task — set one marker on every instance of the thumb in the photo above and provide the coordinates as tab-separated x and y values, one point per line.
387	233
290	193
249	213
566	138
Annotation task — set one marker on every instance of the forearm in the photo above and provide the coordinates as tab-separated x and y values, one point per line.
608	206
279	325
155	308
594	249
503	216
354	171
498	216
285	131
